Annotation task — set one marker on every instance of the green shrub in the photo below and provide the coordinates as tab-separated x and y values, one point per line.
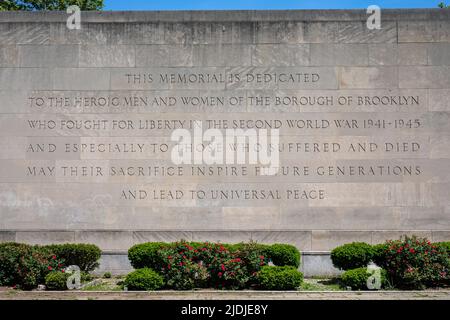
445	245
86	277
415	263
26	266
145	255
107	275
379	254
144	280
357	278
85	256
233	247
56	281
284	255
279	278
352	255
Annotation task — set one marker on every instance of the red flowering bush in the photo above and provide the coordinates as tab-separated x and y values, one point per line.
199	265
254	257
415	263
25	266
182	266
234	275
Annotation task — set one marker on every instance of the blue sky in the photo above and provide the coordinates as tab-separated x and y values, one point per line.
262	4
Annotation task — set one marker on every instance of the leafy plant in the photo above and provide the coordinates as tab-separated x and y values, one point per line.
186	267
26	266
284	255
379	253
415	263
144	280
34	5
352	255
279	278
146	255
56	280
357	278
445	245
85	256
254	256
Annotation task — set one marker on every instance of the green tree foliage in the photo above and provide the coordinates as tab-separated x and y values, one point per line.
442	5
50	5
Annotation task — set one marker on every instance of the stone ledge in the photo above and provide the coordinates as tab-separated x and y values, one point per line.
227	16
227	295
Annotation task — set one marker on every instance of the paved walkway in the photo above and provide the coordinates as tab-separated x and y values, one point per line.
227	295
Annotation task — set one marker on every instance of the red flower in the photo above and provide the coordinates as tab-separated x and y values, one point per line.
220	274
181	264
50	268
168	266
169	257
412	250
223	267
54	257
261	257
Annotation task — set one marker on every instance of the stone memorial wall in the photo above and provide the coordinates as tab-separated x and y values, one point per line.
87	119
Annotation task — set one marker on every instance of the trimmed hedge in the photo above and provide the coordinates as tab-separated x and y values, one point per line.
279	278
56	281
284	255
379	253
357	278
144	280
352	255
445	245
85	256
145	255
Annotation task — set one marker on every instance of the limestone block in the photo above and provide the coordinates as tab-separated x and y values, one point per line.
64	56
